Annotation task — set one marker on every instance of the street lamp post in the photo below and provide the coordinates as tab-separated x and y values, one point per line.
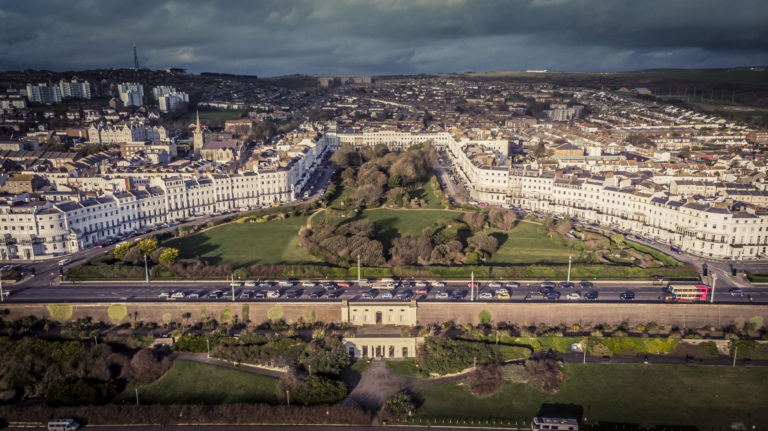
714	280
358	269
146	268
472	287
208	345
137	395
569	268
735	351
2	294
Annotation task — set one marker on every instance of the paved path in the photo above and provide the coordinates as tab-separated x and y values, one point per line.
203	358
377	383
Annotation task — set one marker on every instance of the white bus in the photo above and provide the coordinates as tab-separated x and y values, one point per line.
62	425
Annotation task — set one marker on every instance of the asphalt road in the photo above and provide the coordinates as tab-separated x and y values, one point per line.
457	291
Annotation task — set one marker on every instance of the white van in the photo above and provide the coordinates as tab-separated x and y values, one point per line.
63	262
62	425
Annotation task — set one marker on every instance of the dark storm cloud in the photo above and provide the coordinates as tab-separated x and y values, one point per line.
273	37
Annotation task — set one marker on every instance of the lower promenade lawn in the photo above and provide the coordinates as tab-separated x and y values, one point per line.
702	396
245	244
189	382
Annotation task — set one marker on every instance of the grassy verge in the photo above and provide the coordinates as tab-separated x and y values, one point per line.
406	367
190	382
665	259
621	393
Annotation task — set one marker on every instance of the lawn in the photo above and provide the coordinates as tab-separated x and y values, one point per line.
528	243
189	382
245	244
639	394
406	367
428	194
391	223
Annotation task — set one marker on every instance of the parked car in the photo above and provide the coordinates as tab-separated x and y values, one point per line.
473	285
178	295
736	292
494	284
548	284
512	285
213	295
586	284
442	295
591	295
386	295
273	294
544	290
259	295
502	291
421	291
164	295
250	284
63	262
439	284
573	296
194	295
627	296
422	284
403	294
329	285
502	295
485	295
265	285
344	284
308	284
458	295
245	295
552	295
565	284
368	295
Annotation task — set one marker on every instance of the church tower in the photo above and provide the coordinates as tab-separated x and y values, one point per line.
198	140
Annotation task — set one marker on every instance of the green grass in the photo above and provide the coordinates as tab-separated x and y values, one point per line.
428	194
640	394
190	382
245	244
528	243
391	223
406	367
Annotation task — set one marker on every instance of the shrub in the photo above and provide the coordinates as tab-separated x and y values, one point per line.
315	390
484	381
398	407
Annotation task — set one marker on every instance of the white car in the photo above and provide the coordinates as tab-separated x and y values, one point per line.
264	285
386	295
494	284
245	295
502	291
63	262
422	284
178	295
485	295
442	295
438	284
164	295
273	294
308	284
573	296
250	284
235	284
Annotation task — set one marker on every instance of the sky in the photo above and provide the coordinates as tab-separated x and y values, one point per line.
378	37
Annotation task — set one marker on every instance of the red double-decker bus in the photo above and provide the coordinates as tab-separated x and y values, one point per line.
687	292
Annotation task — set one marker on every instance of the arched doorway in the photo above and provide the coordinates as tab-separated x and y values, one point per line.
351	352
378	318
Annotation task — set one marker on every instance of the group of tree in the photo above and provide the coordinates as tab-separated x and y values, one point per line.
70	372
134	252
452	241
342	244
377	174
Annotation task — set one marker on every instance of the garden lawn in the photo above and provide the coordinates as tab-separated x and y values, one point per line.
189	382
528	243
638	394
245	244
428	194
391	223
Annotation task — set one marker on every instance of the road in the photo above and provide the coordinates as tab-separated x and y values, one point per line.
132	291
